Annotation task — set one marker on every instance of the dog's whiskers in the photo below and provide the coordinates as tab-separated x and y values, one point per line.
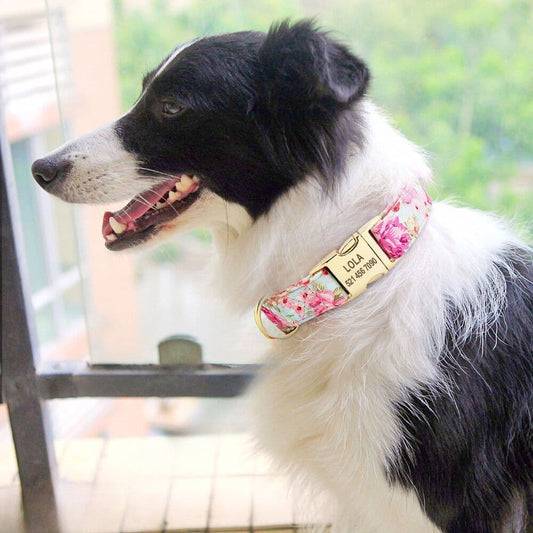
143	171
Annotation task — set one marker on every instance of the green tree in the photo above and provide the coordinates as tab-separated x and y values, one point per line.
457	78
145	37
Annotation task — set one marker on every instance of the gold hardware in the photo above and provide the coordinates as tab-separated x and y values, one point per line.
275	329
358	262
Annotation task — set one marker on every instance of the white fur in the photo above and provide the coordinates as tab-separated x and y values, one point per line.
175	54
102	171
323	407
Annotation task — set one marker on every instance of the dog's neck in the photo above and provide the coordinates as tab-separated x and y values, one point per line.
263	257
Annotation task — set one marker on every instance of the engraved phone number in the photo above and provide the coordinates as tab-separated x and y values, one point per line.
359	273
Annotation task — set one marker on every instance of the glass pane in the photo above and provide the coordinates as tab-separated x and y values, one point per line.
67	251
481	146
46	328
73	305
53	138
29	210
62	213
34	128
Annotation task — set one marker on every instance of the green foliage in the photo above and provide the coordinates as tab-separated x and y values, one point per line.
455	76
145	37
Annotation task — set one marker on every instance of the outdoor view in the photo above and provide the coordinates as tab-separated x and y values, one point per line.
455	76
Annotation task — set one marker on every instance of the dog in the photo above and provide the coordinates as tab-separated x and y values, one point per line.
409	406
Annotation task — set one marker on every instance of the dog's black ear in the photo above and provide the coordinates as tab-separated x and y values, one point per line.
298	62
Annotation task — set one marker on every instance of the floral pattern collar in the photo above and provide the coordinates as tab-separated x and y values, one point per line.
392	234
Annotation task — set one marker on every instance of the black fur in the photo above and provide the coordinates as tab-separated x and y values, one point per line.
470	457
261	112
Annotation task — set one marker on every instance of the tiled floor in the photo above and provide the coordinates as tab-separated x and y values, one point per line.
156	484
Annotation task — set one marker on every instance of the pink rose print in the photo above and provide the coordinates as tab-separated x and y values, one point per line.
340	301
288	303
275	319
393	236
322	301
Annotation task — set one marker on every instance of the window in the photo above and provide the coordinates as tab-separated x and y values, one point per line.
50	244
29	94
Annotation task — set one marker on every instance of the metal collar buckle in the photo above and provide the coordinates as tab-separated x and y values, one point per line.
356	264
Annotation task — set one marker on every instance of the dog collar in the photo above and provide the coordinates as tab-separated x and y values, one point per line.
346	273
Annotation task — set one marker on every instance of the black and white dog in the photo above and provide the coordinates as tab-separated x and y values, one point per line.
411	407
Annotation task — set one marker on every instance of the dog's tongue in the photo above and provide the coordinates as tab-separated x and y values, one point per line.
136	208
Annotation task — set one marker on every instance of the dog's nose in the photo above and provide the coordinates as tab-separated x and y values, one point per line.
47	169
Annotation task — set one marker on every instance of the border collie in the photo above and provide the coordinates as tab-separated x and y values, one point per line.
411	405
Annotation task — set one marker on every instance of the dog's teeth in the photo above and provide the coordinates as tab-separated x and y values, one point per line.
111	237
195	179
118	228
173	196
184	184
160	204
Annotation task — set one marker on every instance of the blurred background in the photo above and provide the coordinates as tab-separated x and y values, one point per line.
455	77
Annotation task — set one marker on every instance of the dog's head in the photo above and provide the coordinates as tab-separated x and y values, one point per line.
235	118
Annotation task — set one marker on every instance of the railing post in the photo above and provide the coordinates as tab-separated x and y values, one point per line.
27	413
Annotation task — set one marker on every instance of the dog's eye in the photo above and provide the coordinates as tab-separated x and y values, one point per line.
171	109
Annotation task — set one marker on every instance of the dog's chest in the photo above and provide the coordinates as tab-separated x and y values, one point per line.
332	425
316	409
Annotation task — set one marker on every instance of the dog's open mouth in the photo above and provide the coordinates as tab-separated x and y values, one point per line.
143	216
